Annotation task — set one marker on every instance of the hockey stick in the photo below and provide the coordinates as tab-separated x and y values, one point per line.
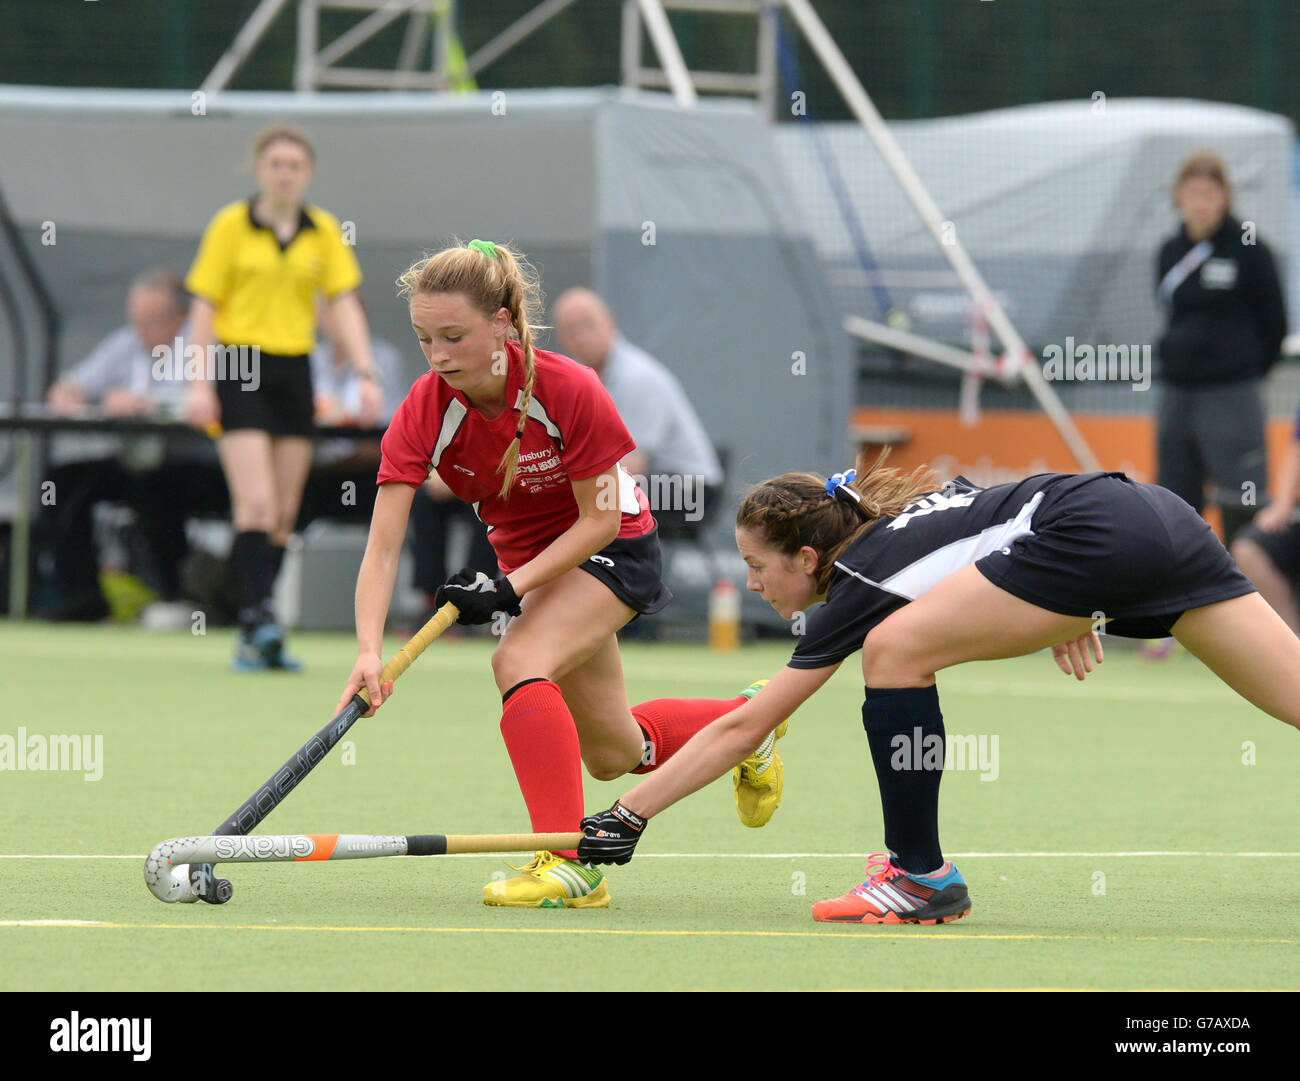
195	882
161	865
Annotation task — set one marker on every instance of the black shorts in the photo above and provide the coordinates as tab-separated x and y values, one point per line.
1108	547
632	568
1283	549
276	396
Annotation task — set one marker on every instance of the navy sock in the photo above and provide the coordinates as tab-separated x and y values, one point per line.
905	732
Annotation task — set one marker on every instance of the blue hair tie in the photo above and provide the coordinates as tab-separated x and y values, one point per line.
837	481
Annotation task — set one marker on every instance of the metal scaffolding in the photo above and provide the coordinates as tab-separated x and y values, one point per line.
318	66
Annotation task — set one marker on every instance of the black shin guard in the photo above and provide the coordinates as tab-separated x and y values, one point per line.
905	732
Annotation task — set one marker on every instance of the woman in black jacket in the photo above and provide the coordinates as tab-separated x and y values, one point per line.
1218	283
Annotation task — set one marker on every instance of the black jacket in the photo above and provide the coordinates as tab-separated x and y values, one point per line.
1228	318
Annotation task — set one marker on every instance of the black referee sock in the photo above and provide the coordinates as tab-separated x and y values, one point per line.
905	732
250	558
277	557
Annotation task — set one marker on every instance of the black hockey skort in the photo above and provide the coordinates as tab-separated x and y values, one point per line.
1105	546
632	568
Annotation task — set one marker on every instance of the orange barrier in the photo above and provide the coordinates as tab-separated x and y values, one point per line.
1008	445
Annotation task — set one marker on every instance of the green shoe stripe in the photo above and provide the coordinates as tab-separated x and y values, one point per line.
591	875
578	881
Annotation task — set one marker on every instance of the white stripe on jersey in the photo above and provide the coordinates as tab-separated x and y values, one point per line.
627	503
475	507
451	422
538	412
916	579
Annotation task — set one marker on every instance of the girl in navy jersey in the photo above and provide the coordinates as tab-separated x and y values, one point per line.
532	440
921	577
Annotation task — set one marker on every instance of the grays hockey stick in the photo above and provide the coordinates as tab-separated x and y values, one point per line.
161	864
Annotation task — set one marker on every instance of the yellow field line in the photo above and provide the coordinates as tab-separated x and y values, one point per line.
917	935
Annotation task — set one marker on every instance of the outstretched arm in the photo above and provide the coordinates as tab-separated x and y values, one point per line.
727	742
611	836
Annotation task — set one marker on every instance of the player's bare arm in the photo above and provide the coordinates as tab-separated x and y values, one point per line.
375	589
598	523
725	743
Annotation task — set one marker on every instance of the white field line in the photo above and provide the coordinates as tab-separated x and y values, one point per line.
809	855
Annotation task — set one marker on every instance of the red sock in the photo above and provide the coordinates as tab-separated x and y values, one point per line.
543	744
669	722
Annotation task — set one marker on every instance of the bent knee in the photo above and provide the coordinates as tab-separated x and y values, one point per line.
512	664
604	771
607	765
891	657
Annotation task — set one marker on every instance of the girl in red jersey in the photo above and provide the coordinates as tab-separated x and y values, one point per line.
533	441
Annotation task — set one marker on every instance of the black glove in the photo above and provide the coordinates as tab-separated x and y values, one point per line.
611	836
477	596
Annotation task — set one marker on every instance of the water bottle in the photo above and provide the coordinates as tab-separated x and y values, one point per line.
724	615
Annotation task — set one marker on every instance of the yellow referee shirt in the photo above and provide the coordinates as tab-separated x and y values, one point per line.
264	293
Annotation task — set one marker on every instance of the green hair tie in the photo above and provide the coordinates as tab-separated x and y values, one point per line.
485	246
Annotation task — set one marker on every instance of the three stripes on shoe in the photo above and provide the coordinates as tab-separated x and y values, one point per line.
577	880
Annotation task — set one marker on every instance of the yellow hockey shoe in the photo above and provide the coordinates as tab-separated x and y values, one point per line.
757	781
549	881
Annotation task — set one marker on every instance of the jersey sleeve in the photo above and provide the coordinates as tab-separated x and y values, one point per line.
209	275
595	437
341	272
836	629
407	447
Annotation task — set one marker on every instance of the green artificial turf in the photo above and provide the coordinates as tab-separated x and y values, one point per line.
1142	758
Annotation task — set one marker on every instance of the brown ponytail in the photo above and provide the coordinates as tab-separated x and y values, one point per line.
794	510
491	277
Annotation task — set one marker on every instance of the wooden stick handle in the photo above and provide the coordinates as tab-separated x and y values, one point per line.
419	642
511	842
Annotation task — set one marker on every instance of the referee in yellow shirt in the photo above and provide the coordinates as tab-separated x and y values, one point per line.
260	266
